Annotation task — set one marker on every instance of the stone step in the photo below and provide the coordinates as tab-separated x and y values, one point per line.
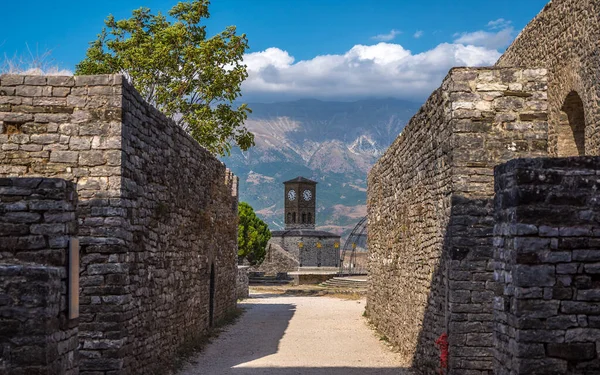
345	282
268	282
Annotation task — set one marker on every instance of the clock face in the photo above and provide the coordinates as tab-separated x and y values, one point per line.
292	194
307	195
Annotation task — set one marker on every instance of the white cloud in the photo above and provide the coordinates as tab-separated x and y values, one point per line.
387	37
379	70
500	23
487	39
500	37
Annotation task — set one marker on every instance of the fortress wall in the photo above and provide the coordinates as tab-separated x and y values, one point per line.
408	211
37	222
431	213
155	212
547	252
182	217
563	38
70	128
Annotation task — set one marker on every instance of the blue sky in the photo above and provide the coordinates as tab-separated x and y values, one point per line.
330	49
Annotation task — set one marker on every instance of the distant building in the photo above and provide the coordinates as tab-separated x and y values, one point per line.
300	245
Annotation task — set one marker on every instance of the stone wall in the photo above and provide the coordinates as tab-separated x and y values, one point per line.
318	247
547	253
408	209
563	39
181	220
158	214
37	221
430	213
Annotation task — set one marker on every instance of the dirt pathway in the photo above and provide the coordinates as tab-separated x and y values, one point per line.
287	335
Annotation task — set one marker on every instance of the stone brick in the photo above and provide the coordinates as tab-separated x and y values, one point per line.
64	156
572	351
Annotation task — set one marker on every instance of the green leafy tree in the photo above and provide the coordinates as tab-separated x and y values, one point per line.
253	235
175	67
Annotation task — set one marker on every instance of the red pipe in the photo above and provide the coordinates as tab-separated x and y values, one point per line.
442	343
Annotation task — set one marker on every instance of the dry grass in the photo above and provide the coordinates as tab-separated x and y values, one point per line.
33	62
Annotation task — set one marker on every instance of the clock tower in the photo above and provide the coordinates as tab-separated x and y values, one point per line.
300	207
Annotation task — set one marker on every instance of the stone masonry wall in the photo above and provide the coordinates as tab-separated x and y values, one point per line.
547	309
37	220
182	219
499	115
156	211
563	39
70	128
318	248
431	214
408	209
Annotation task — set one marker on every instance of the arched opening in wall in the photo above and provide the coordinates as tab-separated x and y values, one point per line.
211	308
303	218
294	217
309	218
571	127
289	217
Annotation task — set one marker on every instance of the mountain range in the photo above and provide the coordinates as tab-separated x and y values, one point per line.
333	143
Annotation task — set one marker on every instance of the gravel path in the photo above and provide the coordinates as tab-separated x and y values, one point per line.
287	335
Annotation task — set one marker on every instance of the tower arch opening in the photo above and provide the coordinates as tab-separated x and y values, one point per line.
571	127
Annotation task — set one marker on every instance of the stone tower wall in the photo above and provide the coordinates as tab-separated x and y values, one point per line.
156	210
37	222
547	252
430	213
563	38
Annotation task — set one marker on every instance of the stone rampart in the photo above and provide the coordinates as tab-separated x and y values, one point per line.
430	213
158	214
547	251
37	221
563	39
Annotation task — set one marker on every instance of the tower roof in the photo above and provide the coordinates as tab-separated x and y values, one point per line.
301	179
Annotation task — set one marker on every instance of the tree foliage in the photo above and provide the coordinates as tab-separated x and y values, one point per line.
175	67
253	235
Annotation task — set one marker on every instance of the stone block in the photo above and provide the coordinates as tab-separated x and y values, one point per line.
64	157
572	351
537	275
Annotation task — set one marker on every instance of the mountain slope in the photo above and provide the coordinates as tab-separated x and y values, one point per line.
333	143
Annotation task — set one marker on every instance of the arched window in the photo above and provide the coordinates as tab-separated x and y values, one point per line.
571	129
303	218
289	217
294	217
309	218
